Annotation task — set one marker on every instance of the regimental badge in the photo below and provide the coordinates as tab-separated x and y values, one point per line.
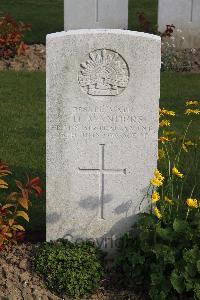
105	73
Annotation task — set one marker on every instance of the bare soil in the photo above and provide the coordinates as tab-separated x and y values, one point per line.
35	59
18	282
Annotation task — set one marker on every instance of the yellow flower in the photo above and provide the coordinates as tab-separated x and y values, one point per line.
163	139
156	182
195	103
158	179
189	143
176	172
155	197
168	200
184	148
165	112
164	123
192	112
193	203
157	213
161	154
159	175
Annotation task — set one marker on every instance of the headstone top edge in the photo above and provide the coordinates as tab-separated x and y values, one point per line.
100	31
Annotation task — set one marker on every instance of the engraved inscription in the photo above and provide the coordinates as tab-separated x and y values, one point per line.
105	73
103	121
102	172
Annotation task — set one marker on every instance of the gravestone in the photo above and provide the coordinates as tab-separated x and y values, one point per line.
88	14
102	128
185	16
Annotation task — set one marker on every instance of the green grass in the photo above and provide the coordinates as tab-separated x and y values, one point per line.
176	88
148	7
22	132
47	16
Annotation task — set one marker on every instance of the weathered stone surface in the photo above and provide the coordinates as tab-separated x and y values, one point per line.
185	15
102	127
88	14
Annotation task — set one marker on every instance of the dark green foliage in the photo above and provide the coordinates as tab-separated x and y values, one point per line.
69	269
162	258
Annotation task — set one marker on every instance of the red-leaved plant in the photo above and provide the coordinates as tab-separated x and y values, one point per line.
11	37
168	31
15	206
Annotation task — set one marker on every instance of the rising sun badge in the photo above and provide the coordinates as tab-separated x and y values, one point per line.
105	73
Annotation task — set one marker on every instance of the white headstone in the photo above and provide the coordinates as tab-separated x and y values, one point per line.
88	14
102	128
185	16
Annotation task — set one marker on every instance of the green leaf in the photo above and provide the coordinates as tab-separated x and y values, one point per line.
165	233
164	253
180	226
189	284
197	291
178	282
156	278
191	255
191	270
156	294
198	266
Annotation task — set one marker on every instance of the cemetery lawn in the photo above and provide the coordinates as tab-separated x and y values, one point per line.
148	7
22	134
46	16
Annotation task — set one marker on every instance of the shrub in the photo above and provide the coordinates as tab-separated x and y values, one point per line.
162	253
14	207
67	268
174	59
11	37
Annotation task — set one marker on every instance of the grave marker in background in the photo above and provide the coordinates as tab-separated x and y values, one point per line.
184	15
103	91
88	14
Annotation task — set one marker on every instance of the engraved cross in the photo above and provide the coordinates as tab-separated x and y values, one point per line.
101	171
